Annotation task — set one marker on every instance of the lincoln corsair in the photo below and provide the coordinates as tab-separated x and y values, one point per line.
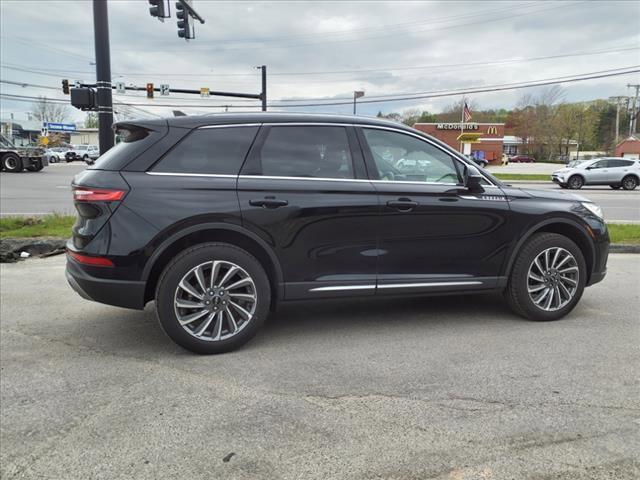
217	218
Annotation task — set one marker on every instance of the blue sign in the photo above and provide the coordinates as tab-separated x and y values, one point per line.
60	127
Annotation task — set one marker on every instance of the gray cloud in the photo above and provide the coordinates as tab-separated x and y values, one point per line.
57	37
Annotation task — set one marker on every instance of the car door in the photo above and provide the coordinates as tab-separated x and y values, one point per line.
433	233
304	191
598	173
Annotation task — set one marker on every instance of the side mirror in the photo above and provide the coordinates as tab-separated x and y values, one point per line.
473	179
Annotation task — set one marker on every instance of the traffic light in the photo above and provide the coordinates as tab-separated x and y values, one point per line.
159	9
185	26
65	86
149	90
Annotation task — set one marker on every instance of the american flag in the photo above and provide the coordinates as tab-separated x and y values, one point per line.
466	112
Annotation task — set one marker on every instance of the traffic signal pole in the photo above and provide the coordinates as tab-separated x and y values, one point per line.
103	75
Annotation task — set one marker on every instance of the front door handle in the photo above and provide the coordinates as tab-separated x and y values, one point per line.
268	202
402	204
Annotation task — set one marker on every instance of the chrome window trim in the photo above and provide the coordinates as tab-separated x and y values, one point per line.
321	179
228	125
176	174
361	125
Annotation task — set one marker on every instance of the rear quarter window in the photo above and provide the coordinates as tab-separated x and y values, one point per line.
218	151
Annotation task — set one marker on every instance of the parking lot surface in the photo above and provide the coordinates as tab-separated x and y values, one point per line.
450	388
49	191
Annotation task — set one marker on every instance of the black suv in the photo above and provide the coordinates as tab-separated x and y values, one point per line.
217	218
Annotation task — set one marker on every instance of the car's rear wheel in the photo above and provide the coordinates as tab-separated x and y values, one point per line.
213	298
11	162
576	182
547	278
629	182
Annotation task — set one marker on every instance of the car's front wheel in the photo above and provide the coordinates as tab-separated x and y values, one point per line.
576	182
213	298
547	278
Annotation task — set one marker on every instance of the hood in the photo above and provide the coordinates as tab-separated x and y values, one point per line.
545	194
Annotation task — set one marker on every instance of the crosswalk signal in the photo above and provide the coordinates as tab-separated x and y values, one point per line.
159	9
149	90
65	86
184	22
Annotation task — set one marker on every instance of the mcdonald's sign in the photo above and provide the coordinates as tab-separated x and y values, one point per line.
492	130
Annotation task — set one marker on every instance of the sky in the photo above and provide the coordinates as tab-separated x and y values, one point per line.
322	51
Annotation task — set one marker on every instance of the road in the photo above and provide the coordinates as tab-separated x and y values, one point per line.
451	389
48	191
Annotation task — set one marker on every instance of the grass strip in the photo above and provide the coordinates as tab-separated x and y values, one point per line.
57	225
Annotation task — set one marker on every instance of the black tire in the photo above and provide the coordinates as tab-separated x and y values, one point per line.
36	167
85	157
630	182
575	182
11	162
615	187
517	293
180	266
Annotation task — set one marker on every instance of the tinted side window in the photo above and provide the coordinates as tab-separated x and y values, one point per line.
403	158
307	151
600	164
620	163
209	150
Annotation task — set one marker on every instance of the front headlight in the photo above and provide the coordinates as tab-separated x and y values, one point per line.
593	208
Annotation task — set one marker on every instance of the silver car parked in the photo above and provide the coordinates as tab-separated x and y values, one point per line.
613	171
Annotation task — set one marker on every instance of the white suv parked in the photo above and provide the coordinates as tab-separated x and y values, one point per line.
613	171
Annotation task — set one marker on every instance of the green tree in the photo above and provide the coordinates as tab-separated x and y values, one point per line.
91	120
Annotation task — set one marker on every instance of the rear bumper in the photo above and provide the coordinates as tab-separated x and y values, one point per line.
119	293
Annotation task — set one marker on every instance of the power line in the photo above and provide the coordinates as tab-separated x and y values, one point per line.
437	94
364	38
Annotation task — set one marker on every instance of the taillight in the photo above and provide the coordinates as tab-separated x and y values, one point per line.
87	194
93	261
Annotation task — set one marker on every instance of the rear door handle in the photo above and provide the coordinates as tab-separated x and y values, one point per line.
268	203
402	204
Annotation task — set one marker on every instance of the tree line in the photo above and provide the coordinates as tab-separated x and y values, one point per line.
544	121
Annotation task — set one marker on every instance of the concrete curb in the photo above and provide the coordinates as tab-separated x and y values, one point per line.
12	248
624	248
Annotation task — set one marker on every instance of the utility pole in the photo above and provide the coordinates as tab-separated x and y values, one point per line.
618	101
634	112
103	74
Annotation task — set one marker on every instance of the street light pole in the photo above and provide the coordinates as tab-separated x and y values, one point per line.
103	74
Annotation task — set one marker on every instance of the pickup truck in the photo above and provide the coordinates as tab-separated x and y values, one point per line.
88	153
13	159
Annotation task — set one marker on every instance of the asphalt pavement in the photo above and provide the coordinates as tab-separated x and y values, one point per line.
454	388
48	191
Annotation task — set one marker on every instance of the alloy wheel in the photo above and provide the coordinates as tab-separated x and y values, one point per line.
629	183
552	280
215	300
575	183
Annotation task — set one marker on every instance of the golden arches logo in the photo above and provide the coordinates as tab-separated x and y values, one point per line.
492	130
